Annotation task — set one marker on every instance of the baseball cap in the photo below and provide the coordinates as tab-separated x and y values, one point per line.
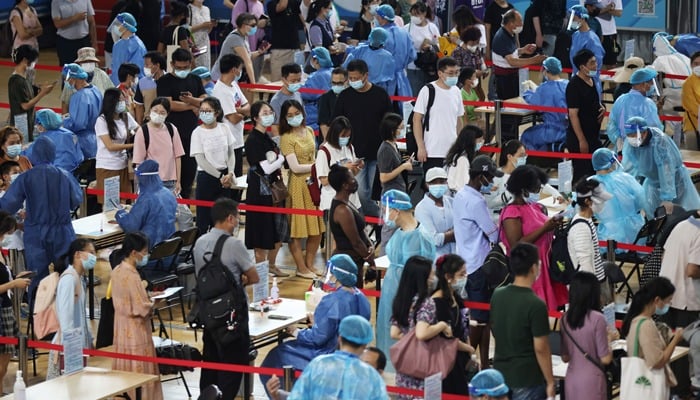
435	173
483	163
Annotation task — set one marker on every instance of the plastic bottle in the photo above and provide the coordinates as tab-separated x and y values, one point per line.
275	291
20	389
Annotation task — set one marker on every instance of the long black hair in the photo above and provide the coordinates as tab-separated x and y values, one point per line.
447	264
315	8
584	297
339	125
658	287
77	245
465	144
582	187
284	125
133	241
509	149
109	107
414	281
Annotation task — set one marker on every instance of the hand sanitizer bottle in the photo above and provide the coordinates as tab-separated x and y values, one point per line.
274	291
20	389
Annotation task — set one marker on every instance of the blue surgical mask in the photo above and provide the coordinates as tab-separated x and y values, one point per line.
389	223
90	262
182	74
295	120
575	25
520	161
294	87
142	262
663	310
357	85
478	145
207	117
116	31
238	77
437	191
533	198
486	189
330	14
267	120
253	31
343	141
458	286
451	81
121	107
14	150
337	88
13	178
593	73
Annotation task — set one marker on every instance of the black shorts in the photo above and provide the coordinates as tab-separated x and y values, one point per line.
478	291
612	49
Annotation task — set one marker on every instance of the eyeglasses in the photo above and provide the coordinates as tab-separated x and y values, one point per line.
252	25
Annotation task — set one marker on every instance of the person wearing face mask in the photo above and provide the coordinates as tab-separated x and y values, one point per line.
154	66
204	74
129	49
97	77
291	83
11	148
128	82
582	240
68	154
379	61
523	358
470	93
21	93
363	24
391	166
83	110
337	149
400	45
9	171
237	42
321	337
164	145
326	103
177	31
25	24
469	54
424	36
70	297
651	154
321	33
640	330
434	211
461	154
201	24
213	146
113	127
320	79
550	135
585	38
133	310
690	96
408	239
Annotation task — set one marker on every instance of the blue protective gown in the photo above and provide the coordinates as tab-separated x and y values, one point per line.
84	108
688	43
631	104
620	219
48	194
400	45
666	178
68	153
379	62
320	79
130	50
341	376
588	40
153	213
401	247
209	88
548	135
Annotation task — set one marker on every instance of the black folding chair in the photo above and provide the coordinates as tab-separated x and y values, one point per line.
160	275
185	263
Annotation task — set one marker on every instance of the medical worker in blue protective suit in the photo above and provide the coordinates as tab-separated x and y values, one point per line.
551	134
322	337
635	103
652	155
409	239
400	45
585	38
205	75
319	80
154	211
83	110
379	61
342	375
68	153
621	217
687	43
48	194
129	48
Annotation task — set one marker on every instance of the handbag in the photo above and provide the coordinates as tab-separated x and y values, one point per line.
639	381
277	189
423	358
609	376
314	186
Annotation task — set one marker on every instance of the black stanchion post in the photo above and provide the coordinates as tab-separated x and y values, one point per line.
22	349
288	378
497	122
329	238
611	250
82	211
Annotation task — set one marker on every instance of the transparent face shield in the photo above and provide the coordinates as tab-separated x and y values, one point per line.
570	25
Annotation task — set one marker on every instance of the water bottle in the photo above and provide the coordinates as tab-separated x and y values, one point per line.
275	291
20	389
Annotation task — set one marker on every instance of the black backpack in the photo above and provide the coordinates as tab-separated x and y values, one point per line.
411	145
561	268
496	268
147	135
221	307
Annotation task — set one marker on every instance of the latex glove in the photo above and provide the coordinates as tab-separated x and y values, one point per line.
529	85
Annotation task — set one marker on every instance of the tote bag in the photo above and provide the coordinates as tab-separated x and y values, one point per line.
639	381
423	358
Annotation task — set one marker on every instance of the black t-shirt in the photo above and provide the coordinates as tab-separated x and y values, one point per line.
326	105
171	86
256	147
361	30
494	16
5	277
365	111
551	14
585	98
285	25
166	36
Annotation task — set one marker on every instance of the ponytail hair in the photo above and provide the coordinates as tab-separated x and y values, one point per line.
447	264
658	287
67	259
133	241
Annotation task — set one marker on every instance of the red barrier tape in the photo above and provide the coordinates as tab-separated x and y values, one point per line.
7	105
38	66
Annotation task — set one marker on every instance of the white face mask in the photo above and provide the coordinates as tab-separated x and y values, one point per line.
157	118
88	67
475	82
517	30
472	48
147	72
416	20
696	70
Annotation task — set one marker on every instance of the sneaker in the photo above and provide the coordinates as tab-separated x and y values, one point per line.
275	271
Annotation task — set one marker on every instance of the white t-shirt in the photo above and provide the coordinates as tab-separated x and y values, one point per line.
443	119
607	23
458	175
420	33
323	168
213	143
112	160
682	248
231	99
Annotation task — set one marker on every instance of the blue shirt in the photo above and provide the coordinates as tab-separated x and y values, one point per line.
436	221
474	229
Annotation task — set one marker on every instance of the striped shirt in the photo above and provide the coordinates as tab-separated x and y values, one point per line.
583	247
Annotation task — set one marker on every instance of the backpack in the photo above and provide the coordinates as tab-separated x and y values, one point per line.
7	38
45	318
221	305
496	268
411	145
147	135
561	268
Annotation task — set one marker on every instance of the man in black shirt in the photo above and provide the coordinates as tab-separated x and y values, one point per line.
364	104
585	114
326	103
185	92
285	18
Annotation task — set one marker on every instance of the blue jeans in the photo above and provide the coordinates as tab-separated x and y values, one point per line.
365	180
529	393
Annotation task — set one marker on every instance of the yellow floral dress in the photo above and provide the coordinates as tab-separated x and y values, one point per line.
301	226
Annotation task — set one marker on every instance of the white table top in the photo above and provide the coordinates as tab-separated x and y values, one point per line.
90	383
261	326
96	227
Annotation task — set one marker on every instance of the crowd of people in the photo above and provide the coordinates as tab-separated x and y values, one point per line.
169	120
